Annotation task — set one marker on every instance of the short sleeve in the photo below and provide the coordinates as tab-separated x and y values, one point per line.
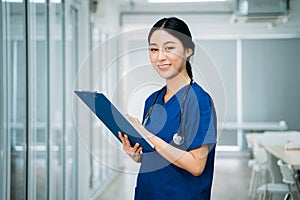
200	122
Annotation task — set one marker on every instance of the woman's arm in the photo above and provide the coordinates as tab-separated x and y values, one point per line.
193	161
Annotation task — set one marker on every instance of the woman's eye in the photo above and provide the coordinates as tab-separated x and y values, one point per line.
169	48
153	49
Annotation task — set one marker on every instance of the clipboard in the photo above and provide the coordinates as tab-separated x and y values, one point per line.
113	119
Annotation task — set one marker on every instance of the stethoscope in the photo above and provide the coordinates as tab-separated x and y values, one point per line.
178	137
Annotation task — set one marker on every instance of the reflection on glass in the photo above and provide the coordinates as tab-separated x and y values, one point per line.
104	154
14	40
56	101
96	137
38	102
70	72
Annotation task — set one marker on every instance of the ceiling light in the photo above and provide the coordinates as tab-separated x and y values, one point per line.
31	1
184	1
37	1
55	1
13	1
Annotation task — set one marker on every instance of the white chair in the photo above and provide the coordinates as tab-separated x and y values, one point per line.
260	170
254	179
267	190
288	178
253	164
267	186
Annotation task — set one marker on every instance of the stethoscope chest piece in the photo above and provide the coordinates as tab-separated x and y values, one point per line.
178	139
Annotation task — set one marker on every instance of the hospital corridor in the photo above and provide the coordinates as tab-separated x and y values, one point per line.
56	143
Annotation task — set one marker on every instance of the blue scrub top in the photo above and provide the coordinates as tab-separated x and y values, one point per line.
159	179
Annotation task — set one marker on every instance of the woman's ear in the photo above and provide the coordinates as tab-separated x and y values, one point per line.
188	52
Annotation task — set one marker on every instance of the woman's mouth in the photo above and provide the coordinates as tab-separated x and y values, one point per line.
163	67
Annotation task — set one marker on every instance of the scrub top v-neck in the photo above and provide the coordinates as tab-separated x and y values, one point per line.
160	179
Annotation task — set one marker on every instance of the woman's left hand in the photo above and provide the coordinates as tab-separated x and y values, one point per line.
133	151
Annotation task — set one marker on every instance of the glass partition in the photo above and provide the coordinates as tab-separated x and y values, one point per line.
56	134
38	145
104	156
71	66
38	100
94	42
3	144
98	146
14	98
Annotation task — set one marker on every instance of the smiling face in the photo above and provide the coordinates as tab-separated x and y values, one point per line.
168	55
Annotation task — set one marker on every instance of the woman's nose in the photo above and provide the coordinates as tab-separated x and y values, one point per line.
161	55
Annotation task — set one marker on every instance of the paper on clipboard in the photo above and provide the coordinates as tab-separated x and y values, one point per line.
114	120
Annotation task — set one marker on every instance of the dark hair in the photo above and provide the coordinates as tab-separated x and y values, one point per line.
180	30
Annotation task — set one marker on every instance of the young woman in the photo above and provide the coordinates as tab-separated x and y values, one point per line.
179	120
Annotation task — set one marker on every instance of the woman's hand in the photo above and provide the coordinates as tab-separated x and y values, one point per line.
193	161
140	126
134	152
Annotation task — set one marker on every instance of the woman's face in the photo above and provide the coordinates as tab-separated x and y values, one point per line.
167	55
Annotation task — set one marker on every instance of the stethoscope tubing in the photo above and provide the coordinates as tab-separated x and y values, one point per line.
179	133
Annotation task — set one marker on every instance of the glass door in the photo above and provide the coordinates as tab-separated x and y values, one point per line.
13	100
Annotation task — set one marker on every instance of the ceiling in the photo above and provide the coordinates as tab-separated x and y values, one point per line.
143	6
212	17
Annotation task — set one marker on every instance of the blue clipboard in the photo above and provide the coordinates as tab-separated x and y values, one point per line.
114	120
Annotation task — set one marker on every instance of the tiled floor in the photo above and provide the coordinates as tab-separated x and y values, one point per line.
232	176
231	180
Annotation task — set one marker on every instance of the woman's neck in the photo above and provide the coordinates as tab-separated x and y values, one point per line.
174	85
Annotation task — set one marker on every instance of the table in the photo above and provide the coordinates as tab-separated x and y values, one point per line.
291	157
274	143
